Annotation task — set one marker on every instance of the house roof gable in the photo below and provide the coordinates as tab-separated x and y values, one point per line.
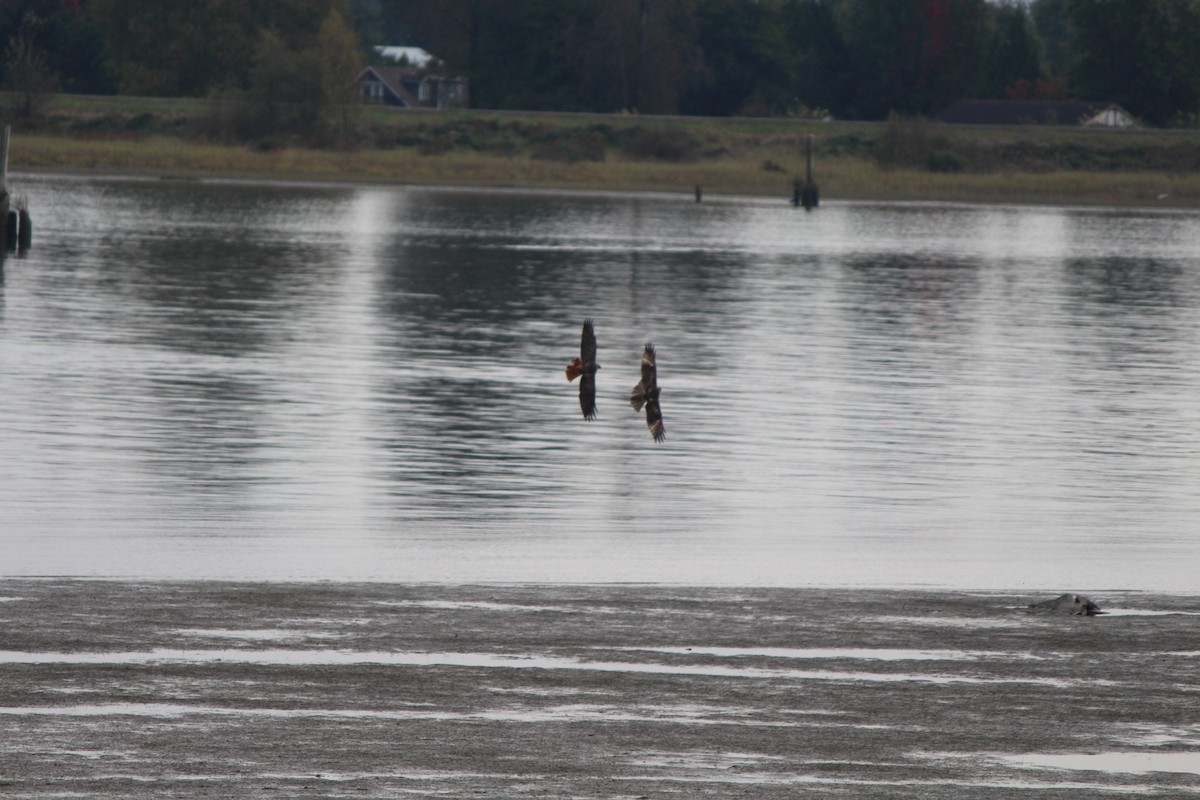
393	79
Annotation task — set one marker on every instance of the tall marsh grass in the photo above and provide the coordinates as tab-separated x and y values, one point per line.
729	167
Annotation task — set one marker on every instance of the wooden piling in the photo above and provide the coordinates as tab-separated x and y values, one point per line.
810	195
16	228
8	230
4	159
699	193
24	230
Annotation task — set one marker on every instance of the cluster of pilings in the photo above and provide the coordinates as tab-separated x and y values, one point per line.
18	228
16	233
805	193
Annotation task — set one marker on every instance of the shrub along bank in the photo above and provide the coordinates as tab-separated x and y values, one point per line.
899	159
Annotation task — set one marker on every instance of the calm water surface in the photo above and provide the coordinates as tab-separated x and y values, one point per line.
227	380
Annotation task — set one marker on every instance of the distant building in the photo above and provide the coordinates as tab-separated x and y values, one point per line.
412	88
1038	112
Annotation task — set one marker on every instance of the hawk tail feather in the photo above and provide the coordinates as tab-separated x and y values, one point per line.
637	398
574	369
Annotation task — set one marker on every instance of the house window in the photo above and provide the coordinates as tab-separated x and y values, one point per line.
373	91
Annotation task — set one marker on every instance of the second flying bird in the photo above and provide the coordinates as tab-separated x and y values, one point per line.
646	394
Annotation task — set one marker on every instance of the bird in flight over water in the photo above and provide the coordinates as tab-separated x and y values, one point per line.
646	394
584	367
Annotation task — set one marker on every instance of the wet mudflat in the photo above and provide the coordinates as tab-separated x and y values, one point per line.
201	689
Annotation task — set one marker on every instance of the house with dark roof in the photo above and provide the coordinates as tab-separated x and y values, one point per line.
412	88
1038	112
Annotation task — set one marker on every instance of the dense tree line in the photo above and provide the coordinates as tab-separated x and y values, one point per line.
855	58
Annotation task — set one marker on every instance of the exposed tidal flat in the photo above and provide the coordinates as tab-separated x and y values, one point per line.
215	689
755	157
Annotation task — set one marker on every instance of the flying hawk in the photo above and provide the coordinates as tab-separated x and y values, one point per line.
646	394
585	368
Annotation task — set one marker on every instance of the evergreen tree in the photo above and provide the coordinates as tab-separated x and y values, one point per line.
748	66
1139	53
27	73
64	33
1050	20
1013	53
821	63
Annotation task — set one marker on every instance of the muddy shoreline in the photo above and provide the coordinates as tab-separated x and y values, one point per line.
200	689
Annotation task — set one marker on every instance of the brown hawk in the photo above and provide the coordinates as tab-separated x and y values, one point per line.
646	394
584	367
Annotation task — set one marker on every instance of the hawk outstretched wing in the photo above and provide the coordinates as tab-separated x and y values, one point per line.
645	395
584	367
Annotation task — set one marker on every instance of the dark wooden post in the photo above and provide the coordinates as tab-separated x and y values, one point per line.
16	229
8	232
810	195
24	230
4	158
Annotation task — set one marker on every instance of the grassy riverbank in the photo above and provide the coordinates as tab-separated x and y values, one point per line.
899	160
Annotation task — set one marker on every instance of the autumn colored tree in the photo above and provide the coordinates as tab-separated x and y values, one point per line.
306	92
1039	89
164	47
341	63
1013	55
285	97
955	33
912	56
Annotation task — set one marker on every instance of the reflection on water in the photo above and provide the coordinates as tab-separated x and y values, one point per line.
358	382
